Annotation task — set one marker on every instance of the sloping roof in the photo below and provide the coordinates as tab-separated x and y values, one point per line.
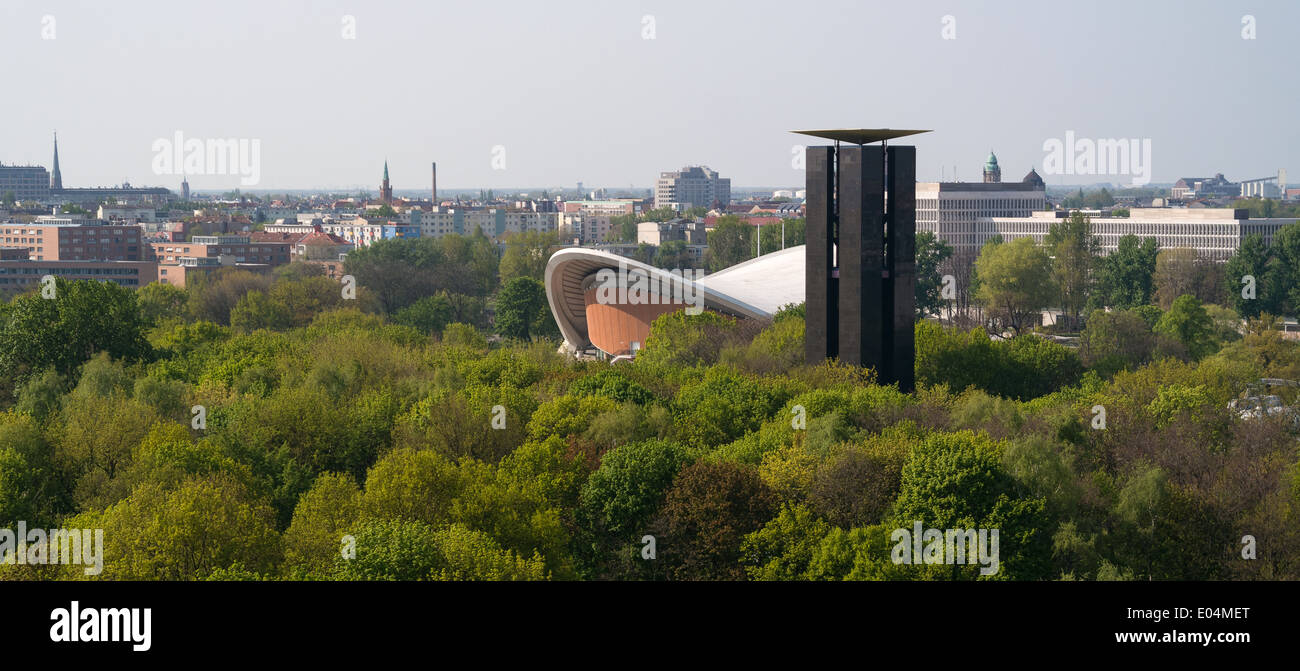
323	239
755	289
265	236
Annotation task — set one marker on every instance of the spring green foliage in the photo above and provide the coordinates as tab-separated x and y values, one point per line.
390	440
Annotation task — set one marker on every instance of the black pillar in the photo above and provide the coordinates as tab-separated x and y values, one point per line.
900	260
861	255
820	306
860	259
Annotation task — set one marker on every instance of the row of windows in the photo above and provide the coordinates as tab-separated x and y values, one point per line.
68	271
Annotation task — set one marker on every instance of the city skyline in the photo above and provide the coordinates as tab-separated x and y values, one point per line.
328	110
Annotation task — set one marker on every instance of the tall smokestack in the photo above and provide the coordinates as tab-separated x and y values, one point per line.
435	184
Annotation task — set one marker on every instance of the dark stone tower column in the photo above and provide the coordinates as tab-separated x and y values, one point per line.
820	301
861	255
860	259
900	260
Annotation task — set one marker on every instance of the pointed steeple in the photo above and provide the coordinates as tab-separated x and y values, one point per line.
56	177
386	189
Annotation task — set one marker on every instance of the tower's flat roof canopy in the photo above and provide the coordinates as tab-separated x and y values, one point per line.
860	135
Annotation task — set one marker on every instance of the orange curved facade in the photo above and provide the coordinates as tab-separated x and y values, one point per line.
614	327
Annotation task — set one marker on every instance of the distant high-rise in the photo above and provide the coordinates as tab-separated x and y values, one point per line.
692	186
185	188
56	177
386	189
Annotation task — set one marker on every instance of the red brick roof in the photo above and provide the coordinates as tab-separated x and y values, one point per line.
264	236
321	238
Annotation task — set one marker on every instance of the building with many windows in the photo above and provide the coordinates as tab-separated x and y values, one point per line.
20	272
72	237
1214	233
954	211
239	249
692	186
25	182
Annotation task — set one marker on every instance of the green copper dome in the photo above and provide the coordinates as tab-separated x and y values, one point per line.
992	163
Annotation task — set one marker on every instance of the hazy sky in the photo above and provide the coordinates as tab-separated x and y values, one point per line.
573	92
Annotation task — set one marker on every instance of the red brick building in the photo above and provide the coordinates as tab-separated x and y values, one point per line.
46	241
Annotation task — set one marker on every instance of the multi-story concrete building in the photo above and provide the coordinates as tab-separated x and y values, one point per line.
239	249
1204	187
658	232
610	208
1214	233
185	269
74	238
364	232
25	182
19	272
127	213
692	186
953	210
586	229
495	223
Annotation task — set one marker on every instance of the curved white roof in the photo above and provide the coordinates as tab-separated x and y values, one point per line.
755	289
768	282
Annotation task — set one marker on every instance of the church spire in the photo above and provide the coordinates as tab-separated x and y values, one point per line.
386	189
56	177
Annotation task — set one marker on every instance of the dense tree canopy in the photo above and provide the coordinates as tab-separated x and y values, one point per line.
269	427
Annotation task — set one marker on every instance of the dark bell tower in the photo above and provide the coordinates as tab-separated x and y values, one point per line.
385	188
860	252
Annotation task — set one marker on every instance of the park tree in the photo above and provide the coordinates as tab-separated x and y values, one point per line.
674	255
957	481
400	271
629	485
1114	341
62	332
1189	323
707	513
213	296
1245	275
855	488
1015	282
324	514
931	253
159	301
1124	278
430	314
730	242
526	255
792	229
1182	271
523	312
185	532
1075	252
1284	269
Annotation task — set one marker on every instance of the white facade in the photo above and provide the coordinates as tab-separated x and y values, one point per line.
954	211
1213	232
587	229
692	186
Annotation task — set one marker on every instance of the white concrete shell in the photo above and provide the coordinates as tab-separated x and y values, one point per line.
755	289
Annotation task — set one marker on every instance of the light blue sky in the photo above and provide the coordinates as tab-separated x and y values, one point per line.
573	92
